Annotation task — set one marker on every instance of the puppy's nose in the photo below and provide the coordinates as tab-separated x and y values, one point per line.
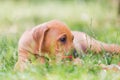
75	54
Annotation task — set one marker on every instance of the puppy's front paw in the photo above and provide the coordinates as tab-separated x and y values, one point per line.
20	66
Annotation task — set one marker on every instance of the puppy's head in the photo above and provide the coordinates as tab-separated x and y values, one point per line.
56	38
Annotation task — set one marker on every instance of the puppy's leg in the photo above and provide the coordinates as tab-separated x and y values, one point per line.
22	60
84	42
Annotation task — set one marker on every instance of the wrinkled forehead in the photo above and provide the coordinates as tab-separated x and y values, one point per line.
59	28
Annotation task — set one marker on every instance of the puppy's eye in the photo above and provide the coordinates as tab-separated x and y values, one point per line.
63	39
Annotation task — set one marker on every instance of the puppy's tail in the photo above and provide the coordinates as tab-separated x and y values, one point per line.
97	47
111	48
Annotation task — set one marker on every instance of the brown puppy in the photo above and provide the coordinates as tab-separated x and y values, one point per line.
83	43
55	39
52	38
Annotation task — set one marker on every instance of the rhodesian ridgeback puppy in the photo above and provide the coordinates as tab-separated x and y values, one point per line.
54	38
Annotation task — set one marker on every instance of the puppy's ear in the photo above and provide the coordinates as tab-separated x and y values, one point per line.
39	34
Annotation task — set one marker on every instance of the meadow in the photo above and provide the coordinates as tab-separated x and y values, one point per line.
98	18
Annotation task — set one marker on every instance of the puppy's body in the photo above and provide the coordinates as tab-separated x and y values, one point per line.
55	39
83	42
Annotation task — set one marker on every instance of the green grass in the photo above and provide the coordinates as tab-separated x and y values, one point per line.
98	19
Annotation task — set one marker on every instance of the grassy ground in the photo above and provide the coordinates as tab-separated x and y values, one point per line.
98	19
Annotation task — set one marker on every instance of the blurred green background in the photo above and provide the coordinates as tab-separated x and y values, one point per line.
98	18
